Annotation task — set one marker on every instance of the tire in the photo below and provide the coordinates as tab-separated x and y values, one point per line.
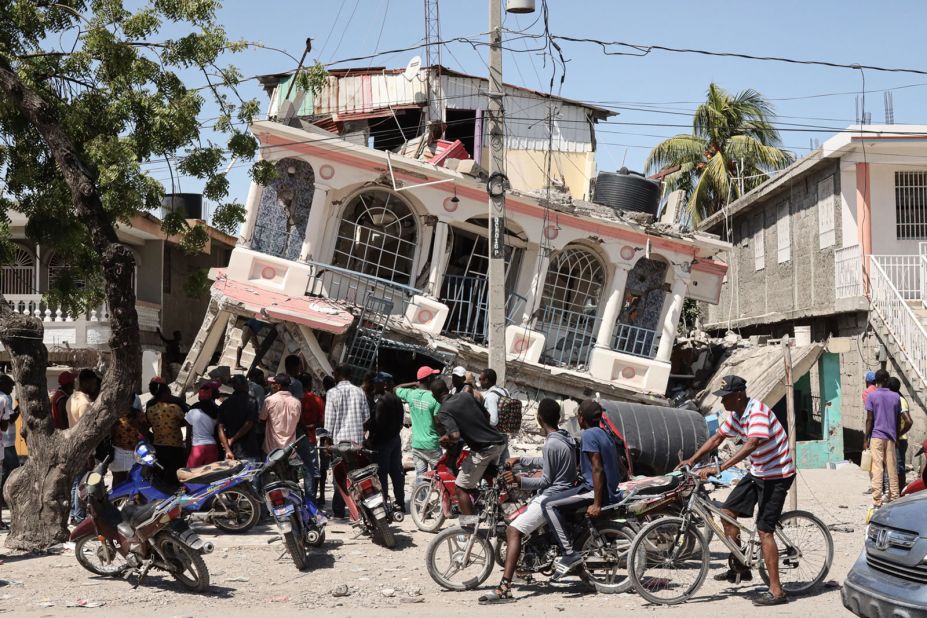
612	577
450	543
239	511
319	541
427	507
665	557
385	533
190	568
98	558
295	545
807	559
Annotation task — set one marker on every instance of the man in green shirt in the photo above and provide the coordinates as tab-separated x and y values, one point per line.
422	409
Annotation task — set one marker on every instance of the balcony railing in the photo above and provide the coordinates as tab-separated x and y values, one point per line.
340	284
848	273
904	273
36	305
569	337
467	300
634	340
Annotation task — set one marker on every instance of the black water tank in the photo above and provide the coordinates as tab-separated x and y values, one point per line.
190	205
624	190
655	434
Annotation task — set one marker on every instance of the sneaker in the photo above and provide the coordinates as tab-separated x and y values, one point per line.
566	563
766	599
733	576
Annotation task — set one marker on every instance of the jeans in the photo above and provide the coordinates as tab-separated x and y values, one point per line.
883	464
10	463
556	508
389	467
78	512
424	459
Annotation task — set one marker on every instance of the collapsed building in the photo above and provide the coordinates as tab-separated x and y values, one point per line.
370	247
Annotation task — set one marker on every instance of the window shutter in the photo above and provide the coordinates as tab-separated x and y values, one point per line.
783	233
827	203
759	246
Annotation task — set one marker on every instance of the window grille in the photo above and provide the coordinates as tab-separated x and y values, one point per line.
18	277
911	205
378	236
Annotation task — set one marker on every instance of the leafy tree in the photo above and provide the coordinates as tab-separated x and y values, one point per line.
90	92
732	139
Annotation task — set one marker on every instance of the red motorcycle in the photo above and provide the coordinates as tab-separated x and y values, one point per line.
355	478
434	498
918	484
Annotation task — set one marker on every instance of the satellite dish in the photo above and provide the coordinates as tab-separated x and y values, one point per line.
412	69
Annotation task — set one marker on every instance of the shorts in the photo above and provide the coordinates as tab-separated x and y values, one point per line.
476	464
123	460
767	495
531	518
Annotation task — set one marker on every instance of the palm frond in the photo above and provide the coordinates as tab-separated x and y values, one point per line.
675	151
751	152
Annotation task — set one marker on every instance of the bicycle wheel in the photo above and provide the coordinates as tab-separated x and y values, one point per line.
447	566
606	559
806	551
668	561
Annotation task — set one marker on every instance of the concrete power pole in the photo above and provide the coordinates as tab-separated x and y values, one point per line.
496	272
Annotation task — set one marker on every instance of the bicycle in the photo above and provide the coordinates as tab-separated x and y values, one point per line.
670	555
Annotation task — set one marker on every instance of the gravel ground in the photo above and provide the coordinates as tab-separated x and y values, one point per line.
248	572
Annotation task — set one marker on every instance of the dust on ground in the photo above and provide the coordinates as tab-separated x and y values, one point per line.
249	572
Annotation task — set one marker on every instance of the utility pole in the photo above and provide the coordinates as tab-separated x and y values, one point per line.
496	273
790	415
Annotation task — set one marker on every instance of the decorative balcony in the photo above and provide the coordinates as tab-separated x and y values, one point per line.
634	340
467	298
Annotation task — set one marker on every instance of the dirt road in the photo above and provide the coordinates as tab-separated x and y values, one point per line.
249	574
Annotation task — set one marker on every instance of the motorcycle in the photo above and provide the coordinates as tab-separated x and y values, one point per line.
460	559
299	522
355	478
219	493
139	538
918	484
434	498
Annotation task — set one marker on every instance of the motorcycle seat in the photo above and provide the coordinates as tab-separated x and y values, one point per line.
135	514
210	472
360	473
651	485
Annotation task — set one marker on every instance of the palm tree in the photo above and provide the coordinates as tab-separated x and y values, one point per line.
732	139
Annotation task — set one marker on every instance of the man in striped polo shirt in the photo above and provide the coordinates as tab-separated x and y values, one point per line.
765	487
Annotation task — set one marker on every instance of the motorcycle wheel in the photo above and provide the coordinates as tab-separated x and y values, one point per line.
98	557
426	506
318	540
235	511
606	566
449	546
295	545
385	533
189	568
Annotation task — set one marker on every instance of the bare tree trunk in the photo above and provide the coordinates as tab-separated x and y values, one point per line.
39	491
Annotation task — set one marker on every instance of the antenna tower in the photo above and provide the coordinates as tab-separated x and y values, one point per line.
433	61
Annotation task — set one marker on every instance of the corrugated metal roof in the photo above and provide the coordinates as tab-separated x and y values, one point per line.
764	370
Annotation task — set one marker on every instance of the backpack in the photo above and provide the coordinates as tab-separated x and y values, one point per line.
625	467
509	412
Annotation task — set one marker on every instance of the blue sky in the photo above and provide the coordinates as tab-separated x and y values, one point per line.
667	84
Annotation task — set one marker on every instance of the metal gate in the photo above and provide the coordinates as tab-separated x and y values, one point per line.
361	355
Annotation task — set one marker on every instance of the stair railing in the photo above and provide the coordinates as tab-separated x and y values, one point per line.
900	320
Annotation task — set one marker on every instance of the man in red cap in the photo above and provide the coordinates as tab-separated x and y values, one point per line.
422	410
59	399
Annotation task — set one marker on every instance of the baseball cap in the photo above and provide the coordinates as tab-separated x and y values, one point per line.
281	378
459	371
730	384
65	378
424	372
382	377
870	376
238	380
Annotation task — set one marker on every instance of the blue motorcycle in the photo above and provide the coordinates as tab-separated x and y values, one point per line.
299	522
220	493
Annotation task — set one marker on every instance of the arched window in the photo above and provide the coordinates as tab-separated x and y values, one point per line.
377	236
280	226
18	276
569	305
58	268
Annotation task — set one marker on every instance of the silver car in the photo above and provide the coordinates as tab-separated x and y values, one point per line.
889	578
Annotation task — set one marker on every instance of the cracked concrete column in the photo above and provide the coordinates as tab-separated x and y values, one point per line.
438	260
670	322
538	275
612	306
